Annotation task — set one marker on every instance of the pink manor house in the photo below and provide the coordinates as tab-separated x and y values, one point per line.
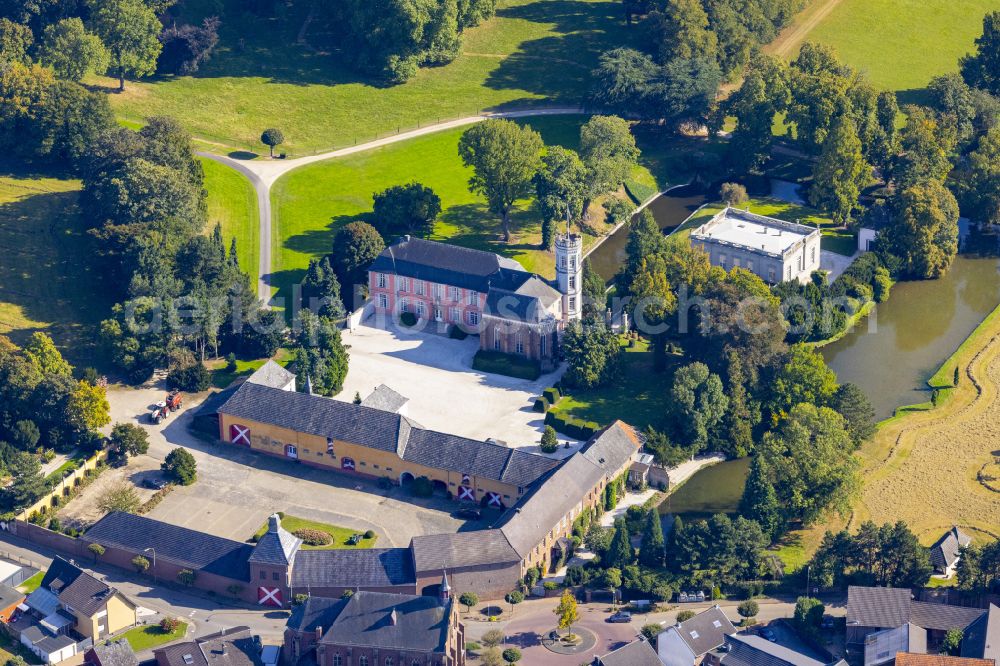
513	311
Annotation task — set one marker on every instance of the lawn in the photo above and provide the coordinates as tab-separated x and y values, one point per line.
834	239
31	584
639	398
232	202
311	203
46	283
534	52
340	534
150	636
223	377
902	44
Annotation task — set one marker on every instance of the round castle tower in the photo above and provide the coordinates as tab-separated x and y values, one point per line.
569	273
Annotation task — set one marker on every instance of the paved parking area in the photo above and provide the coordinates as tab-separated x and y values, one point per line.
445	393
237	489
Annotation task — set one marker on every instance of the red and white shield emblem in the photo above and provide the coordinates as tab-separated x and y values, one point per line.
239	434
347	464
466	493
269	596
494	499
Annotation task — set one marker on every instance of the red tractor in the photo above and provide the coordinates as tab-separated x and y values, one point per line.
174	400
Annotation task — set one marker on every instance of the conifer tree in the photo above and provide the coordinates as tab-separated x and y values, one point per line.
652	547
620	553
759	502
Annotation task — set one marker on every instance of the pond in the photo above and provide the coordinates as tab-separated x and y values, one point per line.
669	210
893	353
713	489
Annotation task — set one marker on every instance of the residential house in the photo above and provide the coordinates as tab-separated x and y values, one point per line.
751	650
886	620
946	551
111	653
636	653
775	250
685	643
230	647
376	629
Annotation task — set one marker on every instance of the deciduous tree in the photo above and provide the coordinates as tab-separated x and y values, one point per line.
923	229
180	466
841	172
406	209
504	158
73	52
130	31
982	69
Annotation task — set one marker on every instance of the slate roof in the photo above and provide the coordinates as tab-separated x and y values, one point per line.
892	607
529	302
449	264
9	596
367	567
911	659
181	546
944	553
384	398
391	622
536	514
982	637
76	588
230	647
636	653
750	650
273	375
385	431
315	612
705	631
278	546
465	549
115	653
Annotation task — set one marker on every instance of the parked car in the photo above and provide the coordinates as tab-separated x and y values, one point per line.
621	617
270	655
468	514
154	483
768	634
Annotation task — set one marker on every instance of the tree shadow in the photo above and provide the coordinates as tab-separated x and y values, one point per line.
558	67
243	155
47	280
919	96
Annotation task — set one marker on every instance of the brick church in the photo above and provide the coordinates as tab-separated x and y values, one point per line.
513	311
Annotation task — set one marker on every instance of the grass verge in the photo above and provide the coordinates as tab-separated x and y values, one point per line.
340	534
31	584
150	636
232	202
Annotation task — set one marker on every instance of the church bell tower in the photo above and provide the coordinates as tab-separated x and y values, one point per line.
569	273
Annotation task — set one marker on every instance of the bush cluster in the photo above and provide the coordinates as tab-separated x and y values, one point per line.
504	364
312	537
571	426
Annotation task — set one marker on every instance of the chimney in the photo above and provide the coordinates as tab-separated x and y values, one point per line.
319	632
445	588
406	238
392	618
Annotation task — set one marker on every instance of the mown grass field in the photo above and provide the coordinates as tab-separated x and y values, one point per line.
311	203
639	398
902	44
921	465
533	52
232	202
151	636
46	279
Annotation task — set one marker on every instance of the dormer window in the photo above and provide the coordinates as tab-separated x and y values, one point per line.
188	659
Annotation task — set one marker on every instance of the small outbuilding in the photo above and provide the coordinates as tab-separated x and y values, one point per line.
946	552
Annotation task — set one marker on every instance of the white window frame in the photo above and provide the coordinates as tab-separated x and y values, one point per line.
454	294
472	317
496	338
421	309
418	287
455	315
383	301
402	283
382	281
519	344
473	297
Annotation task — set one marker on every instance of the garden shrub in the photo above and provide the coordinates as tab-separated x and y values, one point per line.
194	378
408	319
550	585
541	405
313	537
505	364
422	487
455	332
881	285
552	395
369	534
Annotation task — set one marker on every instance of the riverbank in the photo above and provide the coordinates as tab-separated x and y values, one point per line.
921	466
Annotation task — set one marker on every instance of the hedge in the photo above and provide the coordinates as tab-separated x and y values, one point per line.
408	319
552	395
571	426
541	405
456	333
505	364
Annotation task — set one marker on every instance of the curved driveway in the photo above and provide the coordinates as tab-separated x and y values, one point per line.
263	174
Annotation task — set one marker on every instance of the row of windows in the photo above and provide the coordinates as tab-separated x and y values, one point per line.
403	284
363	661
420	309
518	342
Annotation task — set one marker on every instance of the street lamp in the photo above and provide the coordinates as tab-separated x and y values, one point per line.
152	550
